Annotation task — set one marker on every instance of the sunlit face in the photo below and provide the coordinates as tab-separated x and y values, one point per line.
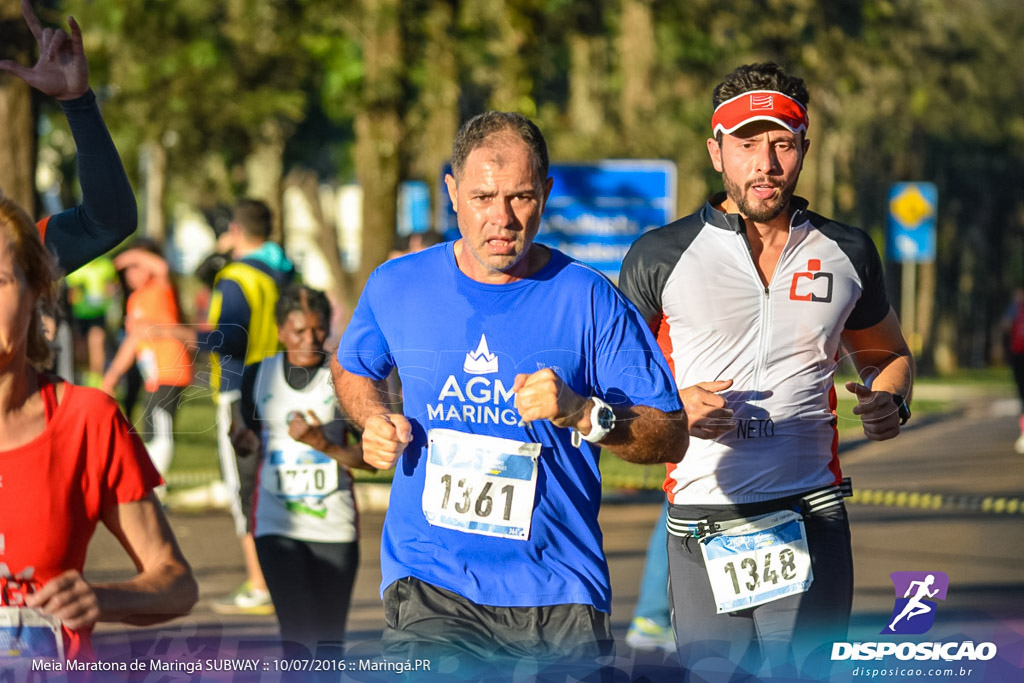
16	304
499	199
135	276
303	334
760	165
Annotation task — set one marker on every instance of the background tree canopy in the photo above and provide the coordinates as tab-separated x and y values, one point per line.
208	100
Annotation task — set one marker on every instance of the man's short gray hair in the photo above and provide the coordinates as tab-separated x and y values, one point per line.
475	132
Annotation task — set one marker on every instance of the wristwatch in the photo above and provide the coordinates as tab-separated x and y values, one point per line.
902	407
602	421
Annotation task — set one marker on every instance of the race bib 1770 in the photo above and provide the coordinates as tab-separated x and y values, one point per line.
480	484
758	562
302	474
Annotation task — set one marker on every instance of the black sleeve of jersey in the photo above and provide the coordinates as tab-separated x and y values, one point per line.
873	305
248	406
650	261
107	214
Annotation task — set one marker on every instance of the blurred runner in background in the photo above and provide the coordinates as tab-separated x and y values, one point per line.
306	524
92	291
165	362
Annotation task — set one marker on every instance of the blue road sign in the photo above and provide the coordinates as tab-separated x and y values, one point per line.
596	211
413	207
913	209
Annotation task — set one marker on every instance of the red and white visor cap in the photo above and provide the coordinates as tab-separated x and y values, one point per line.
759	105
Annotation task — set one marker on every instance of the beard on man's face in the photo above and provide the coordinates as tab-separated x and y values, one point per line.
758	210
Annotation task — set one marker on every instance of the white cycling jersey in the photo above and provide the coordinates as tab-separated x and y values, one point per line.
695	283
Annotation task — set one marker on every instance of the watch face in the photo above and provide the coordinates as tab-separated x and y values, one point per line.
605	418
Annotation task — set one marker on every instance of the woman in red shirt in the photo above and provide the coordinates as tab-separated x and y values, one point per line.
68	460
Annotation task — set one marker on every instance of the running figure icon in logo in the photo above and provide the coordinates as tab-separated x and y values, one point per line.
916	588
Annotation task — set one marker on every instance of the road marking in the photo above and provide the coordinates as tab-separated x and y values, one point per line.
998	505
191	478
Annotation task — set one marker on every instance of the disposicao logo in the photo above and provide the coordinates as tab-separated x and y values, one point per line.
916	592
914	613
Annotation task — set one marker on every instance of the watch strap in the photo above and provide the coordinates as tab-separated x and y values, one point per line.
902	407
597	432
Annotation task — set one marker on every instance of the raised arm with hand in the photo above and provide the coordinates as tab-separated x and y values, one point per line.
108	213
62	70
154	264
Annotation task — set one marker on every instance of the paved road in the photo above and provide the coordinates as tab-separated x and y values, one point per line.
967	460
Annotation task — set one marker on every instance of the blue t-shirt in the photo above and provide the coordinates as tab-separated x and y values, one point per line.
458	345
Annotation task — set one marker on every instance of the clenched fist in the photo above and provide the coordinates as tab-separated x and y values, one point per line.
384	439
543	395
877	410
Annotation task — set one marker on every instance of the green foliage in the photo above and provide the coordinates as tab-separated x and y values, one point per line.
204	79
900	90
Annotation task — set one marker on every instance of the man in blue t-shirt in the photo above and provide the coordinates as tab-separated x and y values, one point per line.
515	362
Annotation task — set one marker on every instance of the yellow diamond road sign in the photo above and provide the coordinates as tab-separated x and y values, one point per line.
910	207
911	222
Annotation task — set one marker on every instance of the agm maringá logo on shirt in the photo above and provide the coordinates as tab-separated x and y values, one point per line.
478	399
481	361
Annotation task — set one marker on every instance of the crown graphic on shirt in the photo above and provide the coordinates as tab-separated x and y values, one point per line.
481	361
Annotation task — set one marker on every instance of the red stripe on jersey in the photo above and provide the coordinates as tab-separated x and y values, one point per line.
661	330
833	465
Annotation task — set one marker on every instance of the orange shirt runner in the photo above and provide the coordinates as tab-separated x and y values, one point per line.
164	361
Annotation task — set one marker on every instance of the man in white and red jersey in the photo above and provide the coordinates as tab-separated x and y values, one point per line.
751	299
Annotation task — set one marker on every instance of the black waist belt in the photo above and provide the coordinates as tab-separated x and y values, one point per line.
807	503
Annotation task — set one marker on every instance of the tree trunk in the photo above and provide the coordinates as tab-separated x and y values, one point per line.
925	313
636	52
379	131
377	168
439	100
264	170
18	131
822	190
155	169
945	345
586	78
513	87
326	230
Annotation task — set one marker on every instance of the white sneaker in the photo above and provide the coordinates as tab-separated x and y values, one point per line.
245	600
1019	444
645	634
